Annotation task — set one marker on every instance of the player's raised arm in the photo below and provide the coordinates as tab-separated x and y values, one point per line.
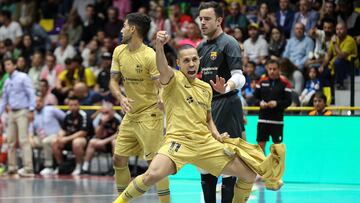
166	72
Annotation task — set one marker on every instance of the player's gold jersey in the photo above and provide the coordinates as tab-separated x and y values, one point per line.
138	70
186	106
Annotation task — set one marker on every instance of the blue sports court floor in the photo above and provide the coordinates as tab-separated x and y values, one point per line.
88	189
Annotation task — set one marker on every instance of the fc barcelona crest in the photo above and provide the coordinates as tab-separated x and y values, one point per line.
138	69
213	55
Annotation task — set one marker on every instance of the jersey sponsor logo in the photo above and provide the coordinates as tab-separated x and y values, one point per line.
265	84
138	69
213	55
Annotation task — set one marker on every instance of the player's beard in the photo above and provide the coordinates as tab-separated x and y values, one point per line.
126	40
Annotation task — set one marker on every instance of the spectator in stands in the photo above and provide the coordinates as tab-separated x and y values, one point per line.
19	96
73	28
239	35
264	20
26	47
86	96
22	65
255	49
80	7
113	25
41	39
82	74
298	47
51	70
284	18
178	20
45	93
306	16
106	125
277	43
327	12
107	45
290	71
103	79
64	50
8	5
36	68
25	13
322	42
159	22
319	105
92	24
311	87
273	95
12	49
235	19
45	129
9	29
342	49
72	136
351	18
3	76
192	35
3	51
124	7
90	55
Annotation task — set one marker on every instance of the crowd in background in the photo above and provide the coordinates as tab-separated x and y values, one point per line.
65	48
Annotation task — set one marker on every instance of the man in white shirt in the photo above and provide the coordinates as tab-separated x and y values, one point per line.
9	29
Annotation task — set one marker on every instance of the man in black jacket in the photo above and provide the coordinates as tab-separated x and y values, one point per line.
273	94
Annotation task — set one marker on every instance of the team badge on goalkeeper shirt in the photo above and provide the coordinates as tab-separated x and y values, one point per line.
213	55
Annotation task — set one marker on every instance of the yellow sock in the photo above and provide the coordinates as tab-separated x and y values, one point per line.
122	178
242	191
135	189
163	190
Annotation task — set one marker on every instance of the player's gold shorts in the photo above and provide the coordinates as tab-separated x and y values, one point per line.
140	136
202	151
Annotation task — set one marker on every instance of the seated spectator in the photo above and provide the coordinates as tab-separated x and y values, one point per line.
159	22
73	28
113	25
103	79
45	93
106	125
77	73
26	47
22	65
72	136
192	35
350	17
322	42
265	20
25	13
277	44
239	35
37	66
256	49
90	54
319	105
9	29
65	82
86	96
327	12
92	24
45	129
342	49
64	50
51	71
248	92
12	49
305	16
311	87
284	18
290	71
298	47
235	19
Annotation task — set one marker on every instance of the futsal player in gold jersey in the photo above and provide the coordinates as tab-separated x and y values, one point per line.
141	130
193	138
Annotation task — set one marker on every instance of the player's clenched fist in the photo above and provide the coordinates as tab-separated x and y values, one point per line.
162	37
